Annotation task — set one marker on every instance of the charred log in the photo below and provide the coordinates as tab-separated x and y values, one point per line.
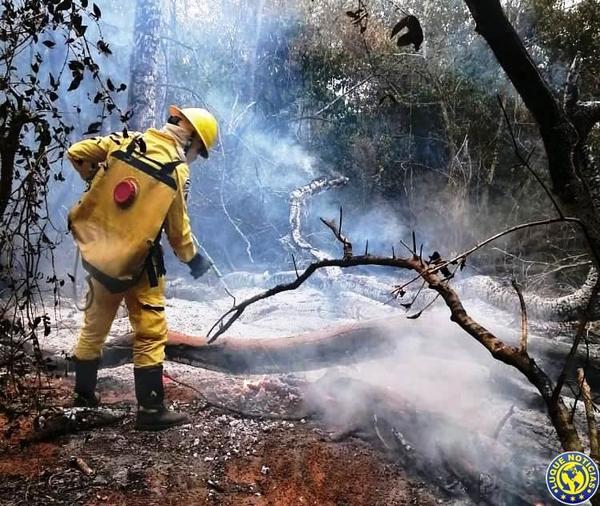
314	350
566	308
59	422
298	201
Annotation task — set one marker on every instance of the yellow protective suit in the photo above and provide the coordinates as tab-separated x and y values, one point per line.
145	303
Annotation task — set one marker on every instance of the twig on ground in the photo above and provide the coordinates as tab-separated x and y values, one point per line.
79	463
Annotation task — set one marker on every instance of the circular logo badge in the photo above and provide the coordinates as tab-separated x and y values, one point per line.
572	478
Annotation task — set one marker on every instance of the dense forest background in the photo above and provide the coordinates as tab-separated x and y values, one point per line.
303	92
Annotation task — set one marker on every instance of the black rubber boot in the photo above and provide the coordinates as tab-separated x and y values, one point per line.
150	394
86	376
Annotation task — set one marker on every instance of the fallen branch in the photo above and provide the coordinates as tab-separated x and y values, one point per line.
60	422
298	199
510	355
415	263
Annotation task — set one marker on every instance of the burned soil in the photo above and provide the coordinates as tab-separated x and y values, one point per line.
220	457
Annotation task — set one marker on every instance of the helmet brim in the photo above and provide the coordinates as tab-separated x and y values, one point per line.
203	151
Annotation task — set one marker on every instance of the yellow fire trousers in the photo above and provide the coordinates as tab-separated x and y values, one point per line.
146	306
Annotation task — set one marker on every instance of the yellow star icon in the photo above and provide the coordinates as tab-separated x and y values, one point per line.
563	497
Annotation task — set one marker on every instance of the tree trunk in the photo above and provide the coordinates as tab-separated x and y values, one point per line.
8	151
576	185
145	65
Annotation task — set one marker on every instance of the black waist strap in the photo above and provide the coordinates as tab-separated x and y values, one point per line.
155	257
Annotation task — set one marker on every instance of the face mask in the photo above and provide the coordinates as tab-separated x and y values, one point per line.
192	149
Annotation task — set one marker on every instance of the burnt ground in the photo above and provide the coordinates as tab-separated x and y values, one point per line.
220	457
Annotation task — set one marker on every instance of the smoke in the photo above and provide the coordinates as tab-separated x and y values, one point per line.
439	403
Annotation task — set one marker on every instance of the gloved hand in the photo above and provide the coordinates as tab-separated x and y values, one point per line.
198	266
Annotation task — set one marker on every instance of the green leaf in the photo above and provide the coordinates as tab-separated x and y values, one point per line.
64	5
94	128
103	47
75	83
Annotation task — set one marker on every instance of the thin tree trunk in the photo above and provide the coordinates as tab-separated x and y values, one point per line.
8	151
145	64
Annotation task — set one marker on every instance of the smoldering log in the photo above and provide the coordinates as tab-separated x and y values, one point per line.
451	453
569	307
344	344
338	345
313	350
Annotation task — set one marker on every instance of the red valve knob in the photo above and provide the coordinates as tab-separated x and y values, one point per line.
125	192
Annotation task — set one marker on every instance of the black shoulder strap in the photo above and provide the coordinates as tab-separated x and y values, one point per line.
169	167
137	159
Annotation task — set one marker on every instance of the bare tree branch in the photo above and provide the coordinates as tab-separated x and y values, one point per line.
571	92
337	232
523	339
507	231
589	412
525	160
581	328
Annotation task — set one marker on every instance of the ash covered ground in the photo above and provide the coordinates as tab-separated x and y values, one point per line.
267	448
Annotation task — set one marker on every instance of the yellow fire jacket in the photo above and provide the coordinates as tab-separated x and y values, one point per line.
85	156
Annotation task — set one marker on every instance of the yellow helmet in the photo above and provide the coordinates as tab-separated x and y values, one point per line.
203	122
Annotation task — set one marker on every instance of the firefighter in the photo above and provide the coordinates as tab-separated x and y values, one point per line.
138	189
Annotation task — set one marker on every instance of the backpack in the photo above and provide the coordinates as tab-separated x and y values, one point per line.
118	220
